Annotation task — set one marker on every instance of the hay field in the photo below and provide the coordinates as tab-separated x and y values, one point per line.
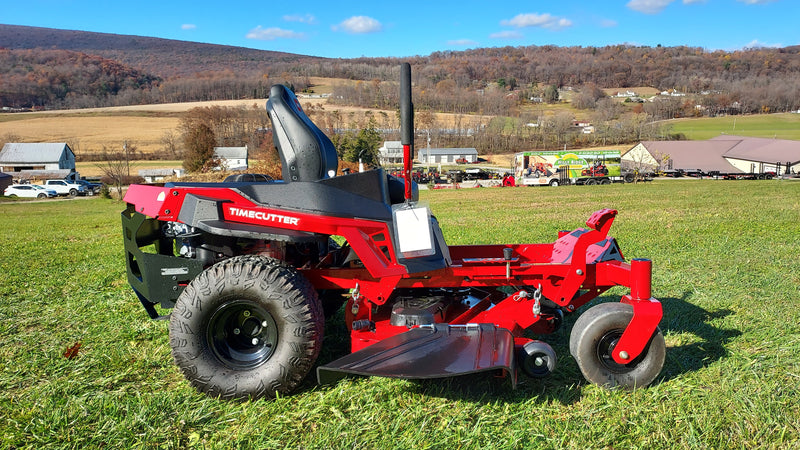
89	130
90	133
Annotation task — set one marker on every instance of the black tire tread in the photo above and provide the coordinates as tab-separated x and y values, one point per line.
294	305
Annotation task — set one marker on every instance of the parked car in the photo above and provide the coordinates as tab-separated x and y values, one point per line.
479	174
66	187
29	191
91	188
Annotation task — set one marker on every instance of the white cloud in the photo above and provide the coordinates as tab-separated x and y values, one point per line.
692	2
188	26
462	43
270	34
307	18
756	2
537	20
648	6
756	44
506	35
359	25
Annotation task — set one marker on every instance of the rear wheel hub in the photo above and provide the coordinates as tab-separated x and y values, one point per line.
241	334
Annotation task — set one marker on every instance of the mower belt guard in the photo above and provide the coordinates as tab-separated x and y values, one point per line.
430	351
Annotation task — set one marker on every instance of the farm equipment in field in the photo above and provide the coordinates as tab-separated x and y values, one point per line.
251	271
578	167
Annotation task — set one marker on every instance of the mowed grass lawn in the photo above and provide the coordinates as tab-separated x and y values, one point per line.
772	126
726	268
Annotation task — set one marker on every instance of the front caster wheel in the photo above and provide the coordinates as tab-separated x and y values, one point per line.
247	327
593	338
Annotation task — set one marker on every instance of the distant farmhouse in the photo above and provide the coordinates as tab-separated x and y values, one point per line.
725	154
38	160
231	158
390	153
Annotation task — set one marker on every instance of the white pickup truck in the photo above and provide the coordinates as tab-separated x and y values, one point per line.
65	187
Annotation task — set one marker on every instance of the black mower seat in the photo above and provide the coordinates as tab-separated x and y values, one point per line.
306	152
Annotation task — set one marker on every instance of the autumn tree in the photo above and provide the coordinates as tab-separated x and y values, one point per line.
116	167
199	142
169	143
551	94
588	96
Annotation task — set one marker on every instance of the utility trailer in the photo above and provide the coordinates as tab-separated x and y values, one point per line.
250	273
741	175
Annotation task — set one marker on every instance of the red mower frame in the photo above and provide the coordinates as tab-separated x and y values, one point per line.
485	301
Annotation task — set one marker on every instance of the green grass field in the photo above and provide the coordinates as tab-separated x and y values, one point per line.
778	126
726	268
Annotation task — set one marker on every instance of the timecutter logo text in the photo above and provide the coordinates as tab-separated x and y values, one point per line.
262	216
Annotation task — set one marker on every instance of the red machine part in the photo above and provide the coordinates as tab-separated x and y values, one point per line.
566	271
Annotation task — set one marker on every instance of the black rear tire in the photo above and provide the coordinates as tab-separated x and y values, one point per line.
593	338
247	327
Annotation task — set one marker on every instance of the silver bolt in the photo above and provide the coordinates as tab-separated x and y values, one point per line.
264	324
539	361
624	355
255	341
246	313
579	272
236	331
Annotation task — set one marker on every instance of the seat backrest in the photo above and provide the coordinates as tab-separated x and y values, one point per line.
306	152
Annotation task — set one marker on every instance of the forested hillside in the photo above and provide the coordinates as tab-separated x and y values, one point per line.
758	80
164	58
54	78
489	80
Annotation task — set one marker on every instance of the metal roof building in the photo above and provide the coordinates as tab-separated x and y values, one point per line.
446	155
16	157
725	154
749	154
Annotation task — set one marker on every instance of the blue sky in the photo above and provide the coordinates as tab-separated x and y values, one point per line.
347	29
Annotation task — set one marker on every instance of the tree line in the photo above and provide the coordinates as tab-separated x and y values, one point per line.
755	80
63	79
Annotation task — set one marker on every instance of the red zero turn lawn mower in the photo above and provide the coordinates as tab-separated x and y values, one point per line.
251	272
